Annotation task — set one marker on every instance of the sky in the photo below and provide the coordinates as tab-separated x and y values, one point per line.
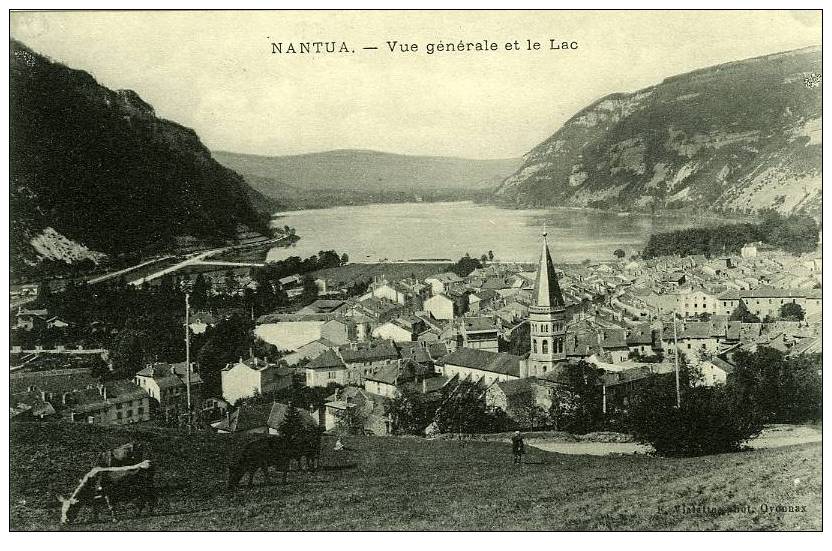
215	71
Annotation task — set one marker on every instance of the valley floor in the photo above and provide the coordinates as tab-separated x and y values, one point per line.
388	483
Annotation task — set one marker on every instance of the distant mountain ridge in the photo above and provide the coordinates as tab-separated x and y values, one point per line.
736	137
341	172
94	172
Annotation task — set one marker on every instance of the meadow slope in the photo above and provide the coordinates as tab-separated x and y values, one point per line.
413	484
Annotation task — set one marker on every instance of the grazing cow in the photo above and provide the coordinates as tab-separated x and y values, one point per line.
111	485
257	455
127	454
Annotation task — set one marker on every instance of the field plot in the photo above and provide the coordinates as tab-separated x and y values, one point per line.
388	483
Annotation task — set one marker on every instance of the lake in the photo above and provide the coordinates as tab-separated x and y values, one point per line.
409	231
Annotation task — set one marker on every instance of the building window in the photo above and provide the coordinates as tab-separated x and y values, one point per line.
545	347
534	346
129	413
141	410
118	415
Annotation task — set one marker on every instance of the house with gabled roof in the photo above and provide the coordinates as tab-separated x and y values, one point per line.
166	385
251	377
361	359
383	381
325	369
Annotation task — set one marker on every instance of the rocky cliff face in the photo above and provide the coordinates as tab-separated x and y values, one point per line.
94	172
736	137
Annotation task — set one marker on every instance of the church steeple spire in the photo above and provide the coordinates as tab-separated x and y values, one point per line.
547	291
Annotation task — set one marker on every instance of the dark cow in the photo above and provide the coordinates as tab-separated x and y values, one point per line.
127	454
257	455
110	485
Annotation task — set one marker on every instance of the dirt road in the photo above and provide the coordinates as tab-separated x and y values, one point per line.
773	436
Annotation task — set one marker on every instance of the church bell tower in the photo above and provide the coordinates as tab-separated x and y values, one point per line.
547	318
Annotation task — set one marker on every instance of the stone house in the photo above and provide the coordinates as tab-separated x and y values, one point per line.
247	378
326	369
165	384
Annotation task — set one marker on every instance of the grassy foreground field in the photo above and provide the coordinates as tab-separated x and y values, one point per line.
411	484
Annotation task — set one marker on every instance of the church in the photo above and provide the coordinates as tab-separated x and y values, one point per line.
547	319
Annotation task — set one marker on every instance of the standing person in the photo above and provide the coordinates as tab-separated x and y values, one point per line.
518	447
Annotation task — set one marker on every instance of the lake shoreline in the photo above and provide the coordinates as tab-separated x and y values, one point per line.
422	231
664	213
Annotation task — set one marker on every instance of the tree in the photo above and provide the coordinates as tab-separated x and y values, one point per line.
230	282
345	259
292	427
463	410
352	419
484	258
780	389
578	406
310	289
129	353
742	314
226	342
411	411
465	265
792	311
491	256
200	292
619	253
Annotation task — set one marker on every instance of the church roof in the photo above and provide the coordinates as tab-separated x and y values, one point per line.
546	287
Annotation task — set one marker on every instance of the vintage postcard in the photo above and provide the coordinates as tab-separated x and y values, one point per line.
415	270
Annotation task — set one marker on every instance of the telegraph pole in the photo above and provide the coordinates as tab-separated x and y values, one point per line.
188	353
676	362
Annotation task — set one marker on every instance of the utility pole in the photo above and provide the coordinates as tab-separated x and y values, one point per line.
188	353
676	362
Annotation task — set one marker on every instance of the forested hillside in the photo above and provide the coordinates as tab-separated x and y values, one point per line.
94	172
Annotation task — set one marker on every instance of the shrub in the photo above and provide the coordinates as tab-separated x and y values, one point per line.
710	419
